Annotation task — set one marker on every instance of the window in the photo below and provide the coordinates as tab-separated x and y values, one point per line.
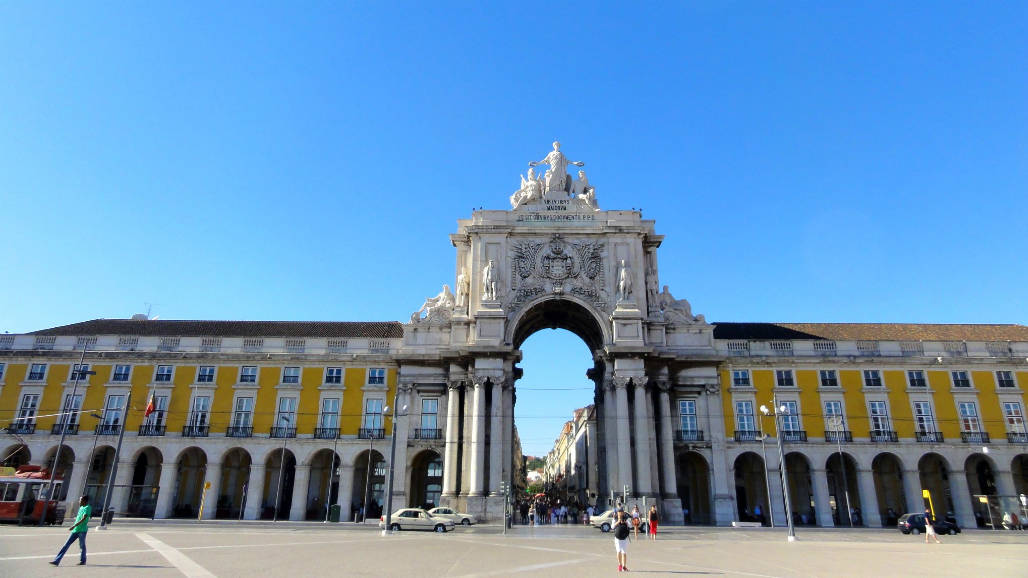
163	374
915	377
1005	378
291	375
201	408
376	376
1014	416
969	417
373	414
741	378
205	374
430	414
27	409
828	378
80	370
286	416
71	407
2	368
334	375
248	374
37	371
113	410
687	414
160	409
872	378
121	373
879	411
923	417
835	420
783	377
330	413
744	416
791	416
243	414
960	379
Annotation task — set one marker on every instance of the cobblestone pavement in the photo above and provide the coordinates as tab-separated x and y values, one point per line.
168	548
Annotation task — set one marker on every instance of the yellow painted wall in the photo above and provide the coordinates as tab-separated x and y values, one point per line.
851	381
224	395
50	401
266	396
989	409
310	380
945	408
726	404
895	382
810	403
354	379
181	393
9	394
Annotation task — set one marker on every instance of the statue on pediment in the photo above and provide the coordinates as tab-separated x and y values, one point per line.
557	178
531	190
489	281
584	192
463	289
438	308
624	281
676	310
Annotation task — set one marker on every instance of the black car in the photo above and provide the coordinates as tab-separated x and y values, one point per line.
914	524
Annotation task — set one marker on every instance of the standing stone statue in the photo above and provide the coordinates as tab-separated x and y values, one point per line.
557	178
463	289
624	281
489	281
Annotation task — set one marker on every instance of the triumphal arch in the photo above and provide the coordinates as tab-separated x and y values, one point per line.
557	260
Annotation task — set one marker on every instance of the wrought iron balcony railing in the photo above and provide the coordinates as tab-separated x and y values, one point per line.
428	434
326	433
196	431
65	428
151	430
794	435
884	435
108	429
371	433
838	436
974	437
239	431
747	435
283	432
929	436
1015	437
21	428
688	435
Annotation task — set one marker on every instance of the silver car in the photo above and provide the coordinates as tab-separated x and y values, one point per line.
453	515
416	519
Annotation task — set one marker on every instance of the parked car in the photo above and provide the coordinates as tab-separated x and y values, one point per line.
416	519
606	521
453	515
914	524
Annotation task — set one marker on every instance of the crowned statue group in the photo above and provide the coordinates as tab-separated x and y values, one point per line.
555	183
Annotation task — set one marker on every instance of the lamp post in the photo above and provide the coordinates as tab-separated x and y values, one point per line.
367	477
331	476
837	424
780	410
281	471
114	468
392	466
89	464
767	477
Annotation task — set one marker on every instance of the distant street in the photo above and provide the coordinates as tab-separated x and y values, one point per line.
264	549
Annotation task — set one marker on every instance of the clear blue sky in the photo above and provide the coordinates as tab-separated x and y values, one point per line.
807	161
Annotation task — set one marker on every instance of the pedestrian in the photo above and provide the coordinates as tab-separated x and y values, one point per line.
929	528
635	521
621	533
78	532
531	516
653	522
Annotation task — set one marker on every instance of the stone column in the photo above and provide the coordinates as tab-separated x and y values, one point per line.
450	465
722	481
169	473
298	508
120	491
345	497
1004	482
775	498
912	491
254	492
496	440
610	436
402	425
210	503
75	483
961	495
642	442
508	431
669	487
623	437
868	499
476	477
819	479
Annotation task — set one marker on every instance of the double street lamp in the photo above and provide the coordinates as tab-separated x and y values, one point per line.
774	412
392	467
837	426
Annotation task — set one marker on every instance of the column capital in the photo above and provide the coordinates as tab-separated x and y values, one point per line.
405	387
455	384
619	382
662	385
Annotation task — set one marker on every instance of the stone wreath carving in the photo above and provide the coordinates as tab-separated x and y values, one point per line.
557	267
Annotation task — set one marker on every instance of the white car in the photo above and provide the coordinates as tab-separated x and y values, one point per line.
416	519
453	515
606	521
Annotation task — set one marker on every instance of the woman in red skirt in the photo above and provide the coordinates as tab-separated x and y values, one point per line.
653	522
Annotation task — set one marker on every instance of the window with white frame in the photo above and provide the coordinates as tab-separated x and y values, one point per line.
879	411
242	416
286	415
121	373
744	416
291	375
969	421
790	416
783	378
687	415
923	420
872	378
828	378
3	368
1014	416
163	374
80	370
160	410
740	377
70	408
27	409
376	376
960	379
248	374
430	413
329	413
1005	378
114	410
835	420
205	374
333	375
200	413
373	414
37	372
915	377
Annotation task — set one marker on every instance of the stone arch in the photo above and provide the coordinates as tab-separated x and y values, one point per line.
62	470
933	470
750	487
369	487
323	485
693	476
426	479
16	455
191	469
801	488
981	478
565	312
843	489
235	474
1019	470
887	471
145	483
279	472
101	463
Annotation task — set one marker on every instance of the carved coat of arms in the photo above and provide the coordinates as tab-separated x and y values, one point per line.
558	266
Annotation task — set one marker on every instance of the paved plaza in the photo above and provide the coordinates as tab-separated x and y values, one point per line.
265	549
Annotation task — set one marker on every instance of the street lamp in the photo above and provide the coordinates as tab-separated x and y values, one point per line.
367	477
781	410
392	466
837	425
114	468
281	470
767	477
332	475
89	463
79	373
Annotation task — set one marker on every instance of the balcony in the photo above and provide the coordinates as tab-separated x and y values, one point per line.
428	434
796	435
839	436
326	433
65	429
1017	437
108	429
283	432
196	431
929	437
21	428
151	430
371	433
747	435
239	431
688	435
884	435
974	437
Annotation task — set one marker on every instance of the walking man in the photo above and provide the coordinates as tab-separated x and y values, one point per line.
929	528
78	532
621	533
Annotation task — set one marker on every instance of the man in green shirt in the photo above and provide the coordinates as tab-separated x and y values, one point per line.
78	532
